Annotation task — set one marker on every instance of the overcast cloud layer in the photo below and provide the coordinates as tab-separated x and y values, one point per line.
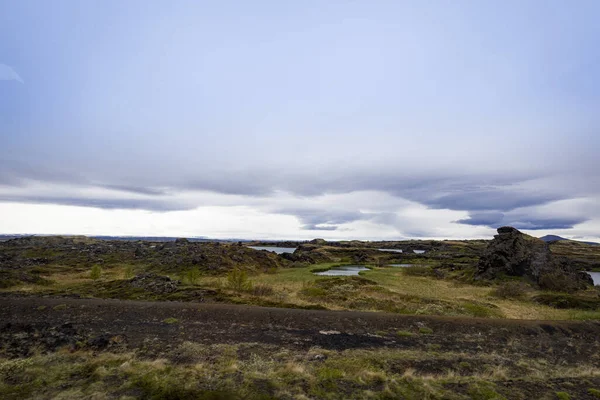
268	119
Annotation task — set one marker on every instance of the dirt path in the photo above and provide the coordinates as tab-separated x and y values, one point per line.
163	324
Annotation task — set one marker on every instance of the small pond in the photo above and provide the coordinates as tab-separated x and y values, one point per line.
418	251
392	250
595	277
278	250
344	270
402	265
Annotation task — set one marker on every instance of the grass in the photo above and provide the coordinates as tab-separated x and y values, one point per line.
253	371
393	290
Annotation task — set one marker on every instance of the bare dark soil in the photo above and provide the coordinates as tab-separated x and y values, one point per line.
28	322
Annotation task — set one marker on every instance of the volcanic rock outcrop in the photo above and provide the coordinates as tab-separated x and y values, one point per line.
513	253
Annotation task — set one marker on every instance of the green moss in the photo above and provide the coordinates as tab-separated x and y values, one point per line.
594	392
404	333
425	331
170	320
563	396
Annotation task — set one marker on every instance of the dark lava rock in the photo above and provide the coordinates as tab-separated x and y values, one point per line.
20	340
513	253
154	283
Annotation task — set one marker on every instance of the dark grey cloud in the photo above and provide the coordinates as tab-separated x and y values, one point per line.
110	204
134	189
500	199
314	219
522	221
319	228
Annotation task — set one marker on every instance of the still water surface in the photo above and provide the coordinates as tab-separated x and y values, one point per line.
345	270
278	250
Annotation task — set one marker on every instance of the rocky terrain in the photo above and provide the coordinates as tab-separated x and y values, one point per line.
515	254
24	259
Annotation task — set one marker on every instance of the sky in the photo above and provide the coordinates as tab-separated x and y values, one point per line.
340	119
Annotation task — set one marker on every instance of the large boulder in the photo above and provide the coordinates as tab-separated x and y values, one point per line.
513	253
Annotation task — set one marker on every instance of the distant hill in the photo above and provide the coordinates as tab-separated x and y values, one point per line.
555	238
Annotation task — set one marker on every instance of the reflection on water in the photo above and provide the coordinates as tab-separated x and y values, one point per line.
419	251
401	265
278	250
345	270
595	277
392	250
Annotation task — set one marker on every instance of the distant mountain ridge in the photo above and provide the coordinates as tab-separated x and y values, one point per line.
555	238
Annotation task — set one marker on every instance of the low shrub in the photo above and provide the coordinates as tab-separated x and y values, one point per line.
96	272
193	275
238	281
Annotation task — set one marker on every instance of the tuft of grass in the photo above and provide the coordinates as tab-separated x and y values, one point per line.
563	396
404	334
128	272
60	307
510	290
262	289
425	331
170	320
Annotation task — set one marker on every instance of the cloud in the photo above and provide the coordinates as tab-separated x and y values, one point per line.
524	222
319	228
9	74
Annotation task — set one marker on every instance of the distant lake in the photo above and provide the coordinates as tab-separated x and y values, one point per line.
595	277
392	250
419	251
278	250
402	265
345	270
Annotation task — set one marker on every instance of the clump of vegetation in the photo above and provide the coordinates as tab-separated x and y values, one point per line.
481	310
425	331
594	392
238	281
170	320
129	272
96	272
484	391
262	289
404	333
60	307
510	290
563	300
563	396
192	275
